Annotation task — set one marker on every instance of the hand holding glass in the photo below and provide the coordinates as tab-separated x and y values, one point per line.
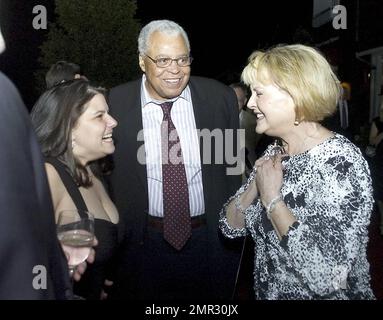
75	231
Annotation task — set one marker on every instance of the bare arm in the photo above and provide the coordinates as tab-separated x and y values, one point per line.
56	186
58	190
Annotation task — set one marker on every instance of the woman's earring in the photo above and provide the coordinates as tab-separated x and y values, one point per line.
296	123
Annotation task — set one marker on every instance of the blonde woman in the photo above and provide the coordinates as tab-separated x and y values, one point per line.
308	209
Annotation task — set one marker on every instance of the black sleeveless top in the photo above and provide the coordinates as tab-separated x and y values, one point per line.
92	280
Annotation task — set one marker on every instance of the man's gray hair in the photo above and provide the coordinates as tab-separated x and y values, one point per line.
164	26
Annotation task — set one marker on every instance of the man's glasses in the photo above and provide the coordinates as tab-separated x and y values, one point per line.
166	62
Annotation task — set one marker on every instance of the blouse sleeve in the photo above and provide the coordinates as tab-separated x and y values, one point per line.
254	208
323	247
226	229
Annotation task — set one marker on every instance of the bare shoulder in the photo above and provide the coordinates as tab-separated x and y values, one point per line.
55	184
52	173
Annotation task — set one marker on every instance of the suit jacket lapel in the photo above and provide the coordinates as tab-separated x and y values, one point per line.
134	129
204	115
140	145
201	110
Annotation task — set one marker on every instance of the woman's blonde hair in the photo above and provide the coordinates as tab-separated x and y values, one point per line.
303	73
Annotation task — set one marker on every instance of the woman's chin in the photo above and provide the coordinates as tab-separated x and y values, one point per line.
110	149
259	129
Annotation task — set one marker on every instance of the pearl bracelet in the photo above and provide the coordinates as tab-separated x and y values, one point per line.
238	205
271	206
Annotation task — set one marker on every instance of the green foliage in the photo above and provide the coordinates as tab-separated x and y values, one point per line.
100	36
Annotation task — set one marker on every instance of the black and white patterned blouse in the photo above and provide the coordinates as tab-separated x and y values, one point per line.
323	255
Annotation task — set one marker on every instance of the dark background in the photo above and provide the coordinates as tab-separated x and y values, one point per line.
222	34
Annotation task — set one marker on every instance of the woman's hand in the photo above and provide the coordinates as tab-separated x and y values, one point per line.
81	268
269	177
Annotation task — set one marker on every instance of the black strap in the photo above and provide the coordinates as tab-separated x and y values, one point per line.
69	184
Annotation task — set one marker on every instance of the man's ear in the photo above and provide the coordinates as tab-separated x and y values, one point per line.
141	62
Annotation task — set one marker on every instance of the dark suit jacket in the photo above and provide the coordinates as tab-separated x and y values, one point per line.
215	107
27	228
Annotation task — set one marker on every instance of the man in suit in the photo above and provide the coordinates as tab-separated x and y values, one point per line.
153	267
32	264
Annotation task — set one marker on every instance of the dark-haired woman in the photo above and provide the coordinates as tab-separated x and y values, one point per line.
74	129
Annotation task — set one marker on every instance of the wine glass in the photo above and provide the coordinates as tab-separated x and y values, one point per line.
75	231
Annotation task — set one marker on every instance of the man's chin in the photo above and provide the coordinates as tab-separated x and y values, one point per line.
171	94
